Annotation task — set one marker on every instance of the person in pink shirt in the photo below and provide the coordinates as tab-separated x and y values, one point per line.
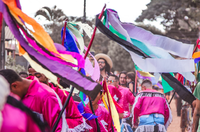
126	101
14	116
37	96
103	115
75	121
152	109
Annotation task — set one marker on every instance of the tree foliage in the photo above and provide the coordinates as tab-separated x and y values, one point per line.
179	13
10	64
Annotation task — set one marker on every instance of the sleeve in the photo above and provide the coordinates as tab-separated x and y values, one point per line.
31	125
130	97
51	111
166	116
136	110
197	91
73	116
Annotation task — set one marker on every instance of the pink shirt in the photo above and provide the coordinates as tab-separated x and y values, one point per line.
115	93
73	116
127	98
104	118
41	98
15	120
149	102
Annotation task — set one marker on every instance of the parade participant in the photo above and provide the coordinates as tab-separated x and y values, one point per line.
112	86
126	101
74	119
105	64
152	109
130	79
23	74
196	105
103	115
37	96
122	79
9	123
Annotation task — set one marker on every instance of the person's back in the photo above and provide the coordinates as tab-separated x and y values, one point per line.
151	108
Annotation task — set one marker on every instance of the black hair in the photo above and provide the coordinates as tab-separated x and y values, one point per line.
146	81
10	75
18	104
131	75
123	72
23	73
107	66
116	77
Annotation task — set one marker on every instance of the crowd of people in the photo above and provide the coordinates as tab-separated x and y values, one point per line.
38	102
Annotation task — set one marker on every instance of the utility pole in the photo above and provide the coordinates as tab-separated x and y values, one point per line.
84	12
2	44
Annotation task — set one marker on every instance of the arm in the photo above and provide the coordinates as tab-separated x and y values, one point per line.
131	87
196	116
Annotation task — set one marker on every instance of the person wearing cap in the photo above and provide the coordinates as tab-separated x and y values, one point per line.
105	64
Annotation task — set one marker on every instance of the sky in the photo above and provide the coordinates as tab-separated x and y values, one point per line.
128	10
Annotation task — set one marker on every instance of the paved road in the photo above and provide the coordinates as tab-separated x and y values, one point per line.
175	125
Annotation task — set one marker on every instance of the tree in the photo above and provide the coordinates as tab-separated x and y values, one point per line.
56	18
10	64
179	17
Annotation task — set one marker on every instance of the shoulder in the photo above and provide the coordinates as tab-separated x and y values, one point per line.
103	110
45	91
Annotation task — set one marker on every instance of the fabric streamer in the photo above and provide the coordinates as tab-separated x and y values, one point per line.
88	116
85	84
146	62
158	60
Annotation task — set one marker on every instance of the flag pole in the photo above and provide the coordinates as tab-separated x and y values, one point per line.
135	88
71	91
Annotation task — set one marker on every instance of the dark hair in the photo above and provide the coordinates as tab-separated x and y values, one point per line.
146	81
10	75
29	66
131	75
23	73
107	66
116	77
18	104
123	72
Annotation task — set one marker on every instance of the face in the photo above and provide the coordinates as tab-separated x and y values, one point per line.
112	81
102	64
41	77
19	88
128	79
122	79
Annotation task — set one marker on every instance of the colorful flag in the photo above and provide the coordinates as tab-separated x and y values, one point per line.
150	52
40	50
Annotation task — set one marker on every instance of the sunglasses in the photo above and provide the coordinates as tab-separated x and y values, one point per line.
38	75
101	92
110	81
101	62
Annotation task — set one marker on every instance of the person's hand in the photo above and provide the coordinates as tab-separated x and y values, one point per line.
135	126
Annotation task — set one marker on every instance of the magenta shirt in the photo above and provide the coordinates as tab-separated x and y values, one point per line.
126	99
15	120
105	119
115	93
73	116
145	105
41	98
